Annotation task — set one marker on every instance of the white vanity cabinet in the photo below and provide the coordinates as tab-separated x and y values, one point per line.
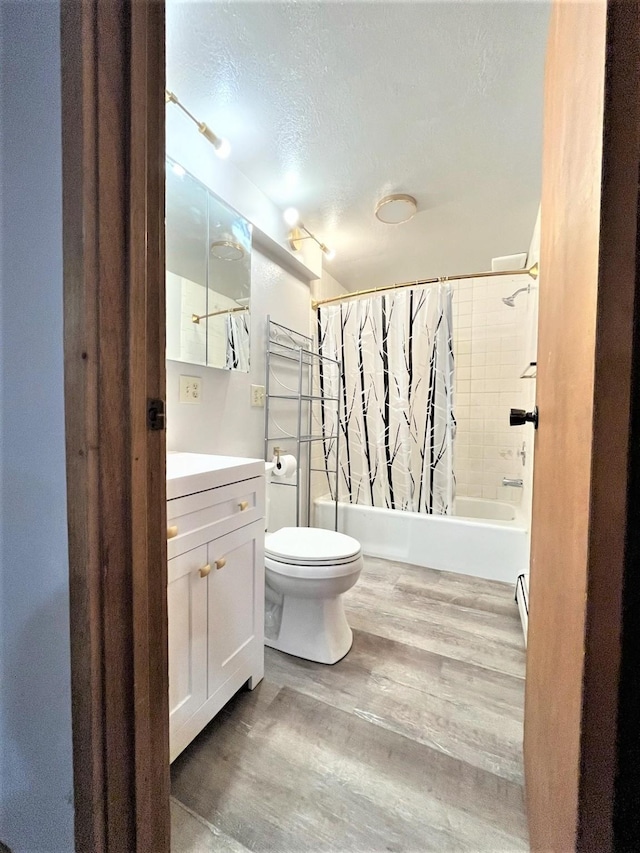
215	531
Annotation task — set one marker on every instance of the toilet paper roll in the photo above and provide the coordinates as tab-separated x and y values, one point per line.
286	465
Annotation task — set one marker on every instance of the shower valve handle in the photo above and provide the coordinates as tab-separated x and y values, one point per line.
518	417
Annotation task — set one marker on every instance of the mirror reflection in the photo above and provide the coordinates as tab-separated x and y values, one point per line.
208	258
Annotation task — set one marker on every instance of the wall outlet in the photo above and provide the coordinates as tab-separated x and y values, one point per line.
190	389
257	396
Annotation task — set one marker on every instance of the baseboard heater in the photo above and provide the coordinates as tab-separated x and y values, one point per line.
522	600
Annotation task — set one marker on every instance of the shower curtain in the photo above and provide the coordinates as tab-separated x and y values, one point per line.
394	413
237	340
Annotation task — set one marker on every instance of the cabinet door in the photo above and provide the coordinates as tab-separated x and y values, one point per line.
187	606
236	603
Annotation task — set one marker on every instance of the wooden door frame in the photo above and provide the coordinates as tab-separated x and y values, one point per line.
607	707
114	325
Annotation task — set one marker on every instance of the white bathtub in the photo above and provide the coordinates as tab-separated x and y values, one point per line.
484	538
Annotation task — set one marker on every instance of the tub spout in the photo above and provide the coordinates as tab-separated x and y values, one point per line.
516	482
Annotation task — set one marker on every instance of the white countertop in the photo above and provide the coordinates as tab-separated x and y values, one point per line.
188	473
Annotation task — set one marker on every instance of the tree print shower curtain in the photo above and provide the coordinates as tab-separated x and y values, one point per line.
394	413
237	342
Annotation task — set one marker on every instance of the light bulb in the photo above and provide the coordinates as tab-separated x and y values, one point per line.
291	216
220	144
329	253
223	148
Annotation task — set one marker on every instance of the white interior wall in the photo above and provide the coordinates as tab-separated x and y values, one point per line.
36	811
225	422
326	287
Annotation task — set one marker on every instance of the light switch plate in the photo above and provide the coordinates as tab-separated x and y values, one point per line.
190	389
257	396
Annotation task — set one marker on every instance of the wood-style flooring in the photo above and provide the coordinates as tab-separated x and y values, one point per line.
410	743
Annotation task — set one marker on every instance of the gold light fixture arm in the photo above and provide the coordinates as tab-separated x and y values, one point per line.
195	318
532	272
217	141
296	236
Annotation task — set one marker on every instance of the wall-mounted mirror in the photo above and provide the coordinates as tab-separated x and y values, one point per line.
208	250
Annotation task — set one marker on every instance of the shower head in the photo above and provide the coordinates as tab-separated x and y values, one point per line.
511	300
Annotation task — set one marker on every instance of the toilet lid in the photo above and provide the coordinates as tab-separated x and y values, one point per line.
310	546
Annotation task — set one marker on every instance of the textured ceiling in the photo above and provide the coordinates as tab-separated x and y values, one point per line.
330	106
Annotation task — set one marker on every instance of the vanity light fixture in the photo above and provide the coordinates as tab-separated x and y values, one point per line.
300	232
221	145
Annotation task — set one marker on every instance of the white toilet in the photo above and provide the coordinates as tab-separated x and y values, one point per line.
307	572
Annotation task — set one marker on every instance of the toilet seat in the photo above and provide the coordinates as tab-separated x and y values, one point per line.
311	546
308	552
312	571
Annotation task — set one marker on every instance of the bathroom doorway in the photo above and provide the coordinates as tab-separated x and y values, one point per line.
120	676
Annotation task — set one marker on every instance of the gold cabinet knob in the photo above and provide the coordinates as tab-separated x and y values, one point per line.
172	531
243	505
221	563
204	571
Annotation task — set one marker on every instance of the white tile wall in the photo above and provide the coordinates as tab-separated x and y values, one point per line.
490	353
193	336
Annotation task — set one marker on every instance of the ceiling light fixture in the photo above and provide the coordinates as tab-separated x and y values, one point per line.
221	145
227	250
396	209
300	232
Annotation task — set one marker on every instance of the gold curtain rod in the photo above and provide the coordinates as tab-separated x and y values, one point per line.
532	271
195	318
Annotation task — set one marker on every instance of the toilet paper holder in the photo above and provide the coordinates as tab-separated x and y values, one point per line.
285	464
277	451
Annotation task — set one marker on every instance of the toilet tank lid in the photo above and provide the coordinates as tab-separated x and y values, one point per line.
309	544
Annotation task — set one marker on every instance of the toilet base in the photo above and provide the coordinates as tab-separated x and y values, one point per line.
315	629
